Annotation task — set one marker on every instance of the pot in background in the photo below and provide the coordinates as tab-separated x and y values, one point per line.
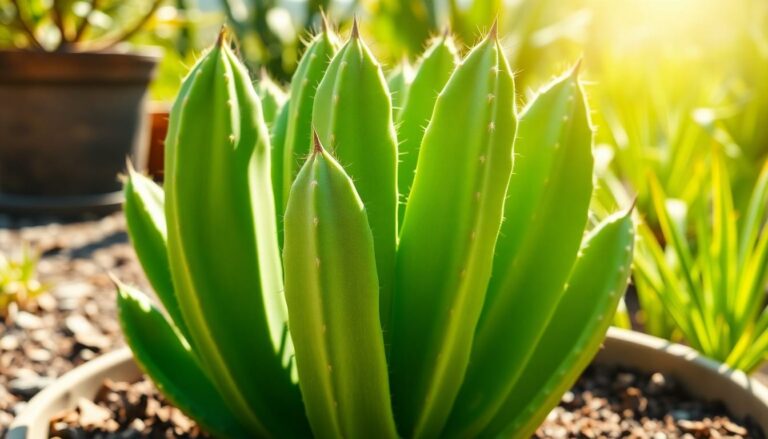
159	112
68	121
702	377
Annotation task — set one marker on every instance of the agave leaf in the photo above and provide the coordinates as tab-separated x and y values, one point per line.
309	73
273	98
278	131
576	330
399	83
353	118
431	75
333	296
222	242
549	196
448	236
167	358
145	221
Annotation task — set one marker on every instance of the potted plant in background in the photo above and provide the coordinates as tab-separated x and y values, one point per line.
72	101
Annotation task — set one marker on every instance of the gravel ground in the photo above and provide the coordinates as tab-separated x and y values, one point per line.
75	321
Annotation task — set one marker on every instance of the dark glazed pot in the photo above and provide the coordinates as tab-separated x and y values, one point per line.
68	121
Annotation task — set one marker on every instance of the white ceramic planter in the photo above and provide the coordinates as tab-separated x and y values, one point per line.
65	392
703	378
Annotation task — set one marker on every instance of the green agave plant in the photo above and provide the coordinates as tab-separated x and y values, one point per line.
450	323
712	283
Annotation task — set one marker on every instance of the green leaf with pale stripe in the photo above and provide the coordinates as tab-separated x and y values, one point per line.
145	220
332	291
431	75
545	215
222	242
167	358
575	331
353	117
448	236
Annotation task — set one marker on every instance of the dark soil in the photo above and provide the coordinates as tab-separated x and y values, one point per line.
123	410
610	402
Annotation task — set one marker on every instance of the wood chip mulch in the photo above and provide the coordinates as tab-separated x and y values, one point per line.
611	402
122	410
75	321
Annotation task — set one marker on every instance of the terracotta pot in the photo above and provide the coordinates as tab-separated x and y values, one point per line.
704	378
158	115
68	121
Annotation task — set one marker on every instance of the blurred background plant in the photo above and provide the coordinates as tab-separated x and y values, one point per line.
18	279
72	26
672	79
711	285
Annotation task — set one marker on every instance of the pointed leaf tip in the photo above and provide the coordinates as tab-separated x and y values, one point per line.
577	67
115	281
494	32
222	35
318	147
355	31
129	166
324	21
633	205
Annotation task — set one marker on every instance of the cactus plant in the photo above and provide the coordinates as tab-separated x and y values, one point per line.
358	331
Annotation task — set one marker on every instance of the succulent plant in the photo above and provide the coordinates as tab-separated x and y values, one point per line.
18	279
455	323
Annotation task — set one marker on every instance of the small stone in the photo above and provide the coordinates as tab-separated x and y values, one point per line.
39	355
732	428
656	384
77	324
9	342
91	414
72	290
29	386
25	320
46	302
85	333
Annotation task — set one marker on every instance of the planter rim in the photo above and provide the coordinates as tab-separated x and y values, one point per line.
144	51
135	66
27	424
689	354
703	378
102	367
